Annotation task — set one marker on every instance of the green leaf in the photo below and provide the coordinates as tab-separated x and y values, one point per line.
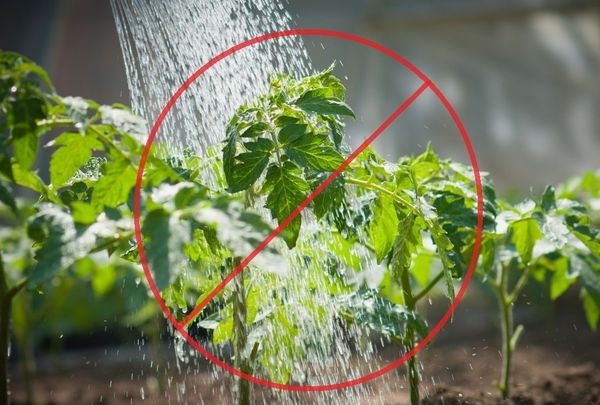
406	240
548	199
383	226
382	316
421	267
337	130
588	236
83	212
287	189
75	151
291	132
230	150
332	198
320	102
314	152
591	308
224	331
57	231
451	262
166	240
250	165
561	279
7	198
113	188
524	234
589	275
254	130
25	148
103	279
32	181
343	249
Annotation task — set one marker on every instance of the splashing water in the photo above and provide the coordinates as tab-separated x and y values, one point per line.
163	43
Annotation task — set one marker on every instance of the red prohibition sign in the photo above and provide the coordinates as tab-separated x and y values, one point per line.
427	84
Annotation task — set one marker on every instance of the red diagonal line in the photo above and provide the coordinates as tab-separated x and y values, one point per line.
305	203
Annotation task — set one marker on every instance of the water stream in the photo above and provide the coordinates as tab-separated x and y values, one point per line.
163	42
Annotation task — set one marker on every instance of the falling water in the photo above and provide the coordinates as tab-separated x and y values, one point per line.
163	43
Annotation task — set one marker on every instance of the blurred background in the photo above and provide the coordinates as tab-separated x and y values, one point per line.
524	76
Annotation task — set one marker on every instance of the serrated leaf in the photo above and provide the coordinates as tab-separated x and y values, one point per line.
314	152
337	131
406	240
166	239
62	241
291	132
320	102
380	315
383	227
113	188
287	189
254	130
53	255
230	150
74	152
250	165
588	236
524	234
451	263
331	198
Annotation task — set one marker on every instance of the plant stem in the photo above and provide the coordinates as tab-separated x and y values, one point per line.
428	287
240	337
411	364
521	283
5	301
21	326
377	187
506	318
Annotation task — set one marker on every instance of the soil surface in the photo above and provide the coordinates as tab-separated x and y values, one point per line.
557	362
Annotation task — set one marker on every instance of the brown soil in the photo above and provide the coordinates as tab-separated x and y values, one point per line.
557	362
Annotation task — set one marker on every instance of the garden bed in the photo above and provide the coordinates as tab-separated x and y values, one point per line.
556	364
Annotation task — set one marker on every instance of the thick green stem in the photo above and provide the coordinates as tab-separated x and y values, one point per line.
510	334
506	320
5	301
4	318
421	294
410	337
21	326
240	338
507	352
376	187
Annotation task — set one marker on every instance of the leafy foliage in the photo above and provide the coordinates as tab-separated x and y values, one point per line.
292	133
413	221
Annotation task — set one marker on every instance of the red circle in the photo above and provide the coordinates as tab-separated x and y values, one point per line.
137	192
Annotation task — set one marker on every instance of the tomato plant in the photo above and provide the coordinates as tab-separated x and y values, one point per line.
413	219
547	237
